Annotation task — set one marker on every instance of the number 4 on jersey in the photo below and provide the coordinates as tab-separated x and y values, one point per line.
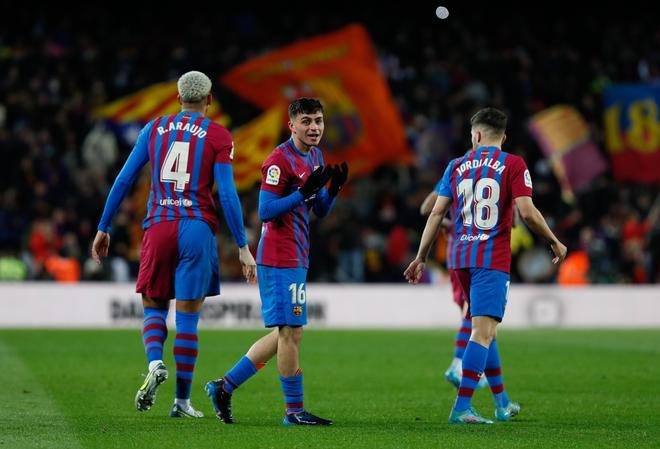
175	167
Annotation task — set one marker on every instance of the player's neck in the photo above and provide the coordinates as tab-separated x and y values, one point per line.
198	110
300	145
489	144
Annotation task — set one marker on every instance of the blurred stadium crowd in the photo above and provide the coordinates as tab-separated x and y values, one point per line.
59	163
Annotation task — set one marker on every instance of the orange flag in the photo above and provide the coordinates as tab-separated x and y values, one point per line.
253	142
363	125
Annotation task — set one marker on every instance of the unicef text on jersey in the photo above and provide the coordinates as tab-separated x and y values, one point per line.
471	238
185	202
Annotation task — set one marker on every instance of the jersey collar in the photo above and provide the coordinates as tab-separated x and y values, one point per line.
191	113
293	145
483	148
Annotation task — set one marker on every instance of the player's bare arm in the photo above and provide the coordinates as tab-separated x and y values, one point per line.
427	206
533	218
416	268
428	203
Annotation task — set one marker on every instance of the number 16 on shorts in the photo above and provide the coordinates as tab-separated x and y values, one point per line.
283	295
298	298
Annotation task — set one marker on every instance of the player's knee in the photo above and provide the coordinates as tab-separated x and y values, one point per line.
189	306
154	303
482	335
291	334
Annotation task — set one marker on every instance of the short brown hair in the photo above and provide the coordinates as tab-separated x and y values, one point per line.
493	119
304	106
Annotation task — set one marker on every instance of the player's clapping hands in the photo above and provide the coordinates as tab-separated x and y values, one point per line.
316	180
339	177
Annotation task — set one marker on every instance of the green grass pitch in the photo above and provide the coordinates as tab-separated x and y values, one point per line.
383	389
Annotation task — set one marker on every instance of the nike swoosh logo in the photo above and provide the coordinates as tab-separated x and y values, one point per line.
301	175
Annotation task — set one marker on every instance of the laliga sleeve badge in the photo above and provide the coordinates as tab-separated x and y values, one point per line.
297	310
528	179
273	175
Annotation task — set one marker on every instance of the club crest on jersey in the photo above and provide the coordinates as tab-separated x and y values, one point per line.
297	310
528	179
273	175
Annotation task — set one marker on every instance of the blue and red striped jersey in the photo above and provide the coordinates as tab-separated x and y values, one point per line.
183	149
187	152
483	185
285	239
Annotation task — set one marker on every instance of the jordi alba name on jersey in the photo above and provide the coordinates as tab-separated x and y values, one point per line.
483	184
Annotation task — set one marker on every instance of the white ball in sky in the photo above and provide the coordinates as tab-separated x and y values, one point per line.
442	12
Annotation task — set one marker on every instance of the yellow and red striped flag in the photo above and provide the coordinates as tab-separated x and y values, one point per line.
253	142
153	101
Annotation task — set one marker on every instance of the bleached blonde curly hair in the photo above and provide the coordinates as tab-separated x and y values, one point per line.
193	87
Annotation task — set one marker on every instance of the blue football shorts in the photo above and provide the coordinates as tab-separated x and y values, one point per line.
179	259
283	295
486	290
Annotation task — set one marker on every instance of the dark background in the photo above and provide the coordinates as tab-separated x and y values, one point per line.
57	65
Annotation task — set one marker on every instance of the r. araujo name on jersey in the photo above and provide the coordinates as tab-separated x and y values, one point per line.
194	130
483	184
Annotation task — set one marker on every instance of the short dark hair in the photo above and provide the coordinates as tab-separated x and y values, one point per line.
304	105
493	119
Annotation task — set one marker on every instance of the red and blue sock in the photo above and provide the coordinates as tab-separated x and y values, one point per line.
474	361
241	372
462	338
292	387
186	346
154	332
493	372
